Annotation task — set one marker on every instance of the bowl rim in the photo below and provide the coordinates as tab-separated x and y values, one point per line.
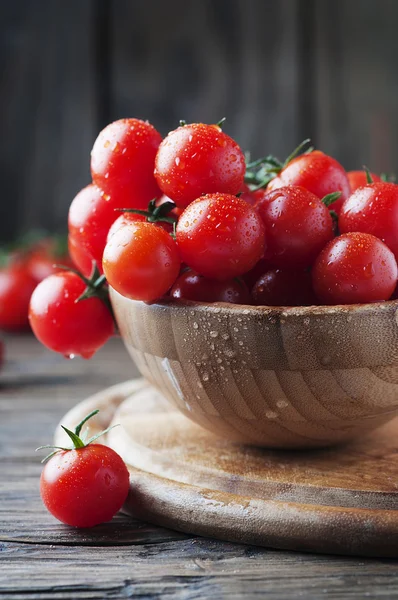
247	309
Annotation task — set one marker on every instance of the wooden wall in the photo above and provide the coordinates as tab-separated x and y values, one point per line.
278	70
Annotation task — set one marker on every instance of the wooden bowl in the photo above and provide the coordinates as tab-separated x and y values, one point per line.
276	377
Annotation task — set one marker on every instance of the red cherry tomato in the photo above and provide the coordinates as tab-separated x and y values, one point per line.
252	276
84	487
67	326
220	236
141	261
80	257
355	268
198	159
316	172
373	209
191	286
122	162
284	288
358	179
91	214
298	226
16	288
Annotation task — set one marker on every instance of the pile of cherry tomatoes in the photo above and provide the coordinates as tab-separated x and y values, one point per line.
191	217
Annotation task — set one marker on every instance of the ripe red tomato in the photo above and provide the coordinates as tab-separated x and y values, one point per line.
141	261
298	226
16	288
64	325
316	172
198	159
220	236
284	288
80	257
373	209
122	162
252	276
192	286
86	486
355	268
91	214
358	179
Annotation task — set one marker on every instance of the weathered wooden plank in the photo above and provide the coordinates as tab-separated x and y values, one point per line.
47	116
355	49
202	60
189	569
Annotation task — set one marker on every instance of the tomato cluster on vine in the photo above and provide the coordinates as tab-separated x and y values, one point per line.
189	217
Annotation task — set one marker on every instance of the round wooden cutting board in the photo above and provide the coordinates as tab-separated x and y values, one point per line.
343	500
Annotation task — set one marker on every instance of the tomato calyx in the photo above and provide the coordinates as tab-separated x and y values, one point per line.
261	171
330	198
155	213
79	441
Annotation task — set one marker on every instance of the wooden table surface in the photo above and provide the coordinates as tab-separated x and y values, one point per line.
41	558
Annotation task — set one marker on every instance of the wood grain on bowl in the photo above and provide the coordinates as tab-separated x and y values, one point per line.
283	378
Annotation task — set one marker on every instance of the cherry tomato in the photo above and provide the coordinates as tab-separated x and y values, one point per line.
80	257
65	325
91	215
355	268
298	226
284	288
16	288
141	261
191	286
198	159
252	276
220	236
358	179
86	486
373	209
316	172
122	162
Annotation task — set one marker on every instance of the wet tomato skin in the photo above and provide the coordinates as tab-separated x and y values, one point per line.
298	225
220	236
65	325
195	287
358	179
278	287
141	261
373	209
91	215
316	172
122	162
80	257
84	487
354	268
198	159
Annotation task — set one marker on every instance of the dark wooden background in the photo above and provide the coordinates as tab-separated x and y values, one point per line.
279	70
